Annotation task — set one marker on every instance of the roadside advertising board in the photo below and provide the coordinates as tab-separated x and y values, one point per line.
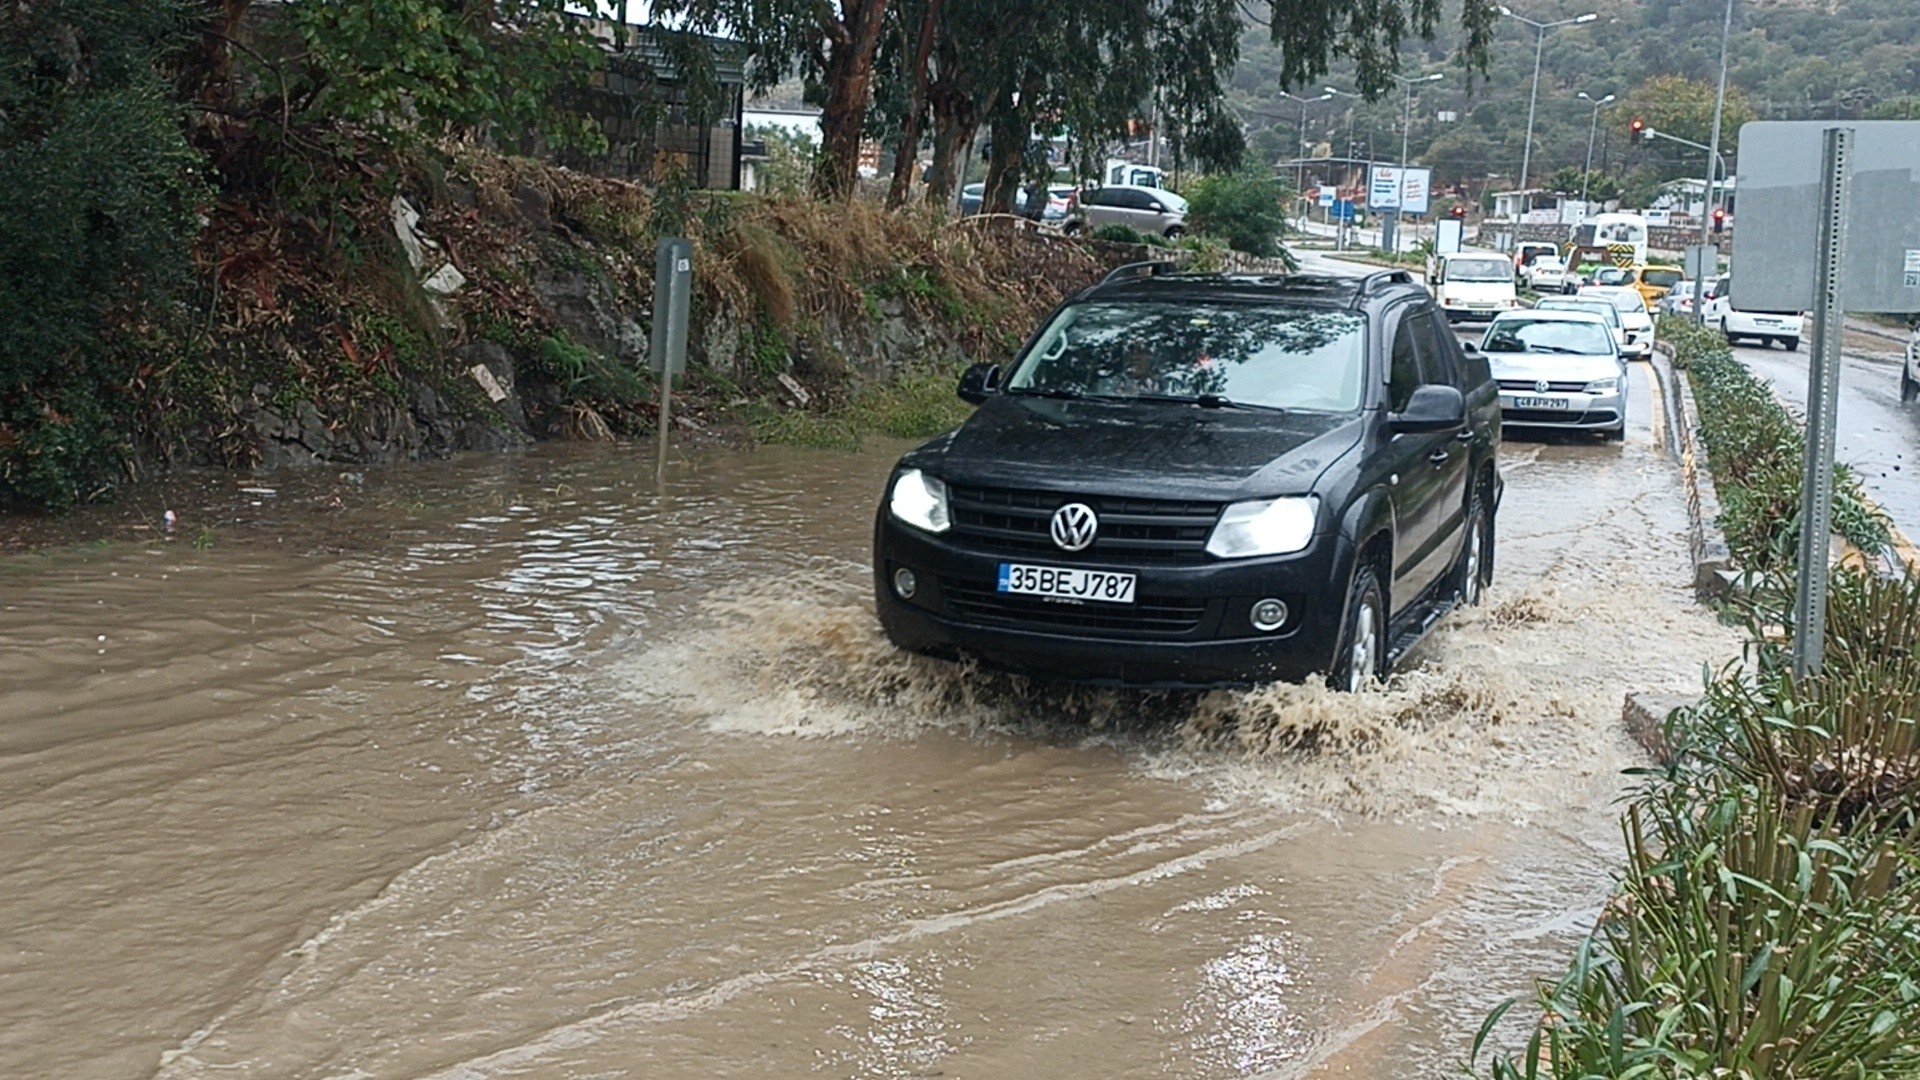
1383	187
1416	190
1326	196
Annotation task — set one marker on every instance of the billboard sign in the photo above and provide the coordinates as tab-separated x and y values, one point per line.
1383	187
1416	190
1780	184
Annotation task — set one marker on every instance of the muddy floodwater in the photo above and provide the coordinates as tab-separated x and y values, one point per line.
528	767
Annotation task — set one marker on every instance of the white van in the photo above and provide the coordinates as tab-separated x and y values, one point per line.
1472	285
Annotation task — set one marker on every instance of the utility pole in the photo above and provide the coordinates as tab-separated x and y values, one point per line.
1713	158
1539	48
1392	243
1300	144
1593	127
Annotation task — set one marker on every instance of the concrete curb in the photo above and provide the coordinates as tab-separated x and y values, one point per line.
1713	570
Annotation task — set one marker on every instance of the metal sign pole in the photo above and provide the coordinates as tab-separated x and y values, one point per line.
667	353
1823	406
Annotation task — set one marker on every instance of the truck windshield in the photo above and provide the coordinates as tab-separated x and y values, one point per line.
1479	270
1266	357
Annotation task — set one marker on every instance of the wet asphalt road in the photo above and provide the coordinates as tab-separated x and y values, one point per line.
1879	436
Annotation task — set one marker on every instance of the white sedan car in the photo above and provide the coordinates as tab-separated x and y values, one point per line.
1635	319
1558	369
1546	273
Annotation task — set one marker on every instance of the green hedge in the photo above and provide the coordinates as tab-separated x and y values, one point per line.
1757	451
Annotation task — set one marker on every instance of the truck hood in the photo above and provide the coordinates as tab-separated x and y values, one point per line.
1147	450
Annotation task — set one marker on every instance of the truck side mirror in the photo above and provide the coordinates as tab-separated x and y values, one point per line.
1433	408
979	382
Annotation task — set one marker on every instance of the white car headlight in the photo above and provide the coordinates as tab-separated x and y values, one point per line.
920	500
1264	527
1602	386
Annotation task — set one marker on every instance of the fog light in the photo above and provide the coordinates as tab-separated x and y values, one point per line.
904	583
1269	615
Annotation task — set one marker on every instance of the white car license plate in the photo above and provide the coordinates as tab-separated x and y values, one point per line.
1066	583
1539	403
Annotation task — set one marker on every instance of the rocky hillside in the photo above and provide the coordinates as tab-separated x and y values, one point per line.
462	300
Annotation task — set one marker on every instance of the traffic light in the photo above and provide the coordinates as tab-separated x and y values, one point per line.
1637	131
1719	218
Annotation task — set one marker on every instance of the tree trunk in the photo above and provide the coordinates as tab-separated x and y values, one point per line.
851	42
205	76
953	128
1003	168
916	109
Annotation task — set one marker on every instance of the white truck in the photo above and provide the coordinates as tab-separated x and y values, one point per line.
1472	285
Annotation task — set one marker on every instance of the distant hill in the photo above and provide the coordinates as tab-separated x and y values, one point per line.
1791	59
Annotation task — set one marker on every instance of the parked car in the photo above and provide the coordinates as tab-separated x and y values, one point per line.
1153	211
1635	319
1765	327
1548	273
1558	369
973	196
1593	305
1472	285
1202	480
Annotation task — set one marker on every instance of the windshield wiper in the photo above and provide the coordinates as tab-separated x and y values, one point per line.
1061	392
1556	349
1205	401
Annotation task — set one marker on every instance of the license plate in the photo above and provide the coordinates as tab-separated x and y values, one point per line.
1539	403
1066	583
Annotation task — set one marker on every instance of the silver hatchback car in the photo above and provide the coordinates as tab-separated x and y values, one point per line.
1154	211
1558	369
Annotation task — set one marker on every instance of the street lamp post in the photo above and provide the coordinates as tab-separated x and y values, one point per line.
1300	143
1592	128
1390	239
1346	224
1713	158
1539	48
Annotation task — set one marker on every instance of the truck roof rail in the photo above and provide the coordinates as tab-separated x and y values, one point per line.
1153	268
1381	278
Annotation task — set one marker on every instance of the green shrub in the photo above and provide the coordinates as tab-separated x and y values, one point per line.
1127	234
1246	209
101	191
1768	922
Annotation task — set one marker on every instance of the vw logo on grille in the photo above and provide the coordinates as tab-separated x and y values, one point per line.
1542	386
1074	526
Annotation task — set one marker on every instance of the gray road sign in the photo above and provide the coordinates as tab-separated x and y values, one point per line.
672	293
1778	216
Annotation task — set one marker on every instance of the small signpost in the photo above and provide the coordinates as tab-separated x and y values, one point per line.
667	353
1851	195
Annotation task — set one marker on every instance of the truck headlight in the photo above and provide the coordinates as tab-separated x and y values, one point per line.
1264	527
920	500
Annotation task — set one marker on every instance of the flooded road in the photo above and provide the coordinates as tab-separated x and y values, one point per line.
1877	435
525	767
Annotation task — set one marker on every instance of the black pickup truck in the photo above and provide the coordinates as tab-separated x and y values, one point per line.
1197	480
